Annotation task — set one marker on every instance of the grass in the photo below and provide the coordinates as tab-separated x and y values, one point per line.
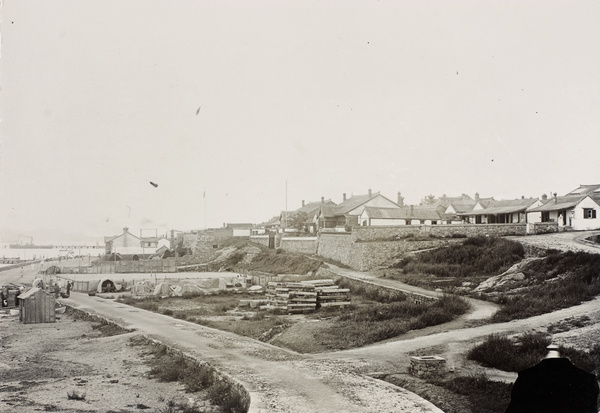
560	280
381	321
527	350
483	394
172	367
279	262
475	256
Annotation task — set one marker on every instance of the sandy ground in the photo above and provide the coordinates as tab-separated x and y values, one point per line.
40	364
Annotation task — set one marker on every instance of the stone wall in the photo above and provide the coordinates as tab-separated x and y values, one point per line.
302	245
427	366
388	233
260	239
335	246
368	255
542	227
388	291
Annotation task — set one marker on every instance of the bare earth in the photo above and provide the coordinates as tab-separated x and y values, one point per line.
40	364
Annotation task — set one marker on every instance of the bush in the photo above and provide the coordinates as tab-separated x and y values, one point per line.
526	351
562	279
475	256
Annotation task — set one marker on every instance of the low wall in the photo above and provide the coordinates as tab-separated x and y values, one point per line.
388	233
260	239
390	291
542	227
301	245
236	388
365	256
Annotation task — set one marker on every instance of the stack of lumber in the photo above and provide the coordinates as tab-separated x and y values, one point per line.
329	295
305	296
291	297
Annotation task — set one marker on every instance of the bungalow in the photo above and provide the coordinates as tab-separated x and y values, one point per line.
347	213
579	212
308	212
502	212
420	215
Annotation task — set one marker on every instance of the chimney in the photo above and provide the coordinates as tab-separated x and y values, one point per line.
555	199
400	200
544	197
303	202
125	229
344	196
322	200
477	196
370	192
522	196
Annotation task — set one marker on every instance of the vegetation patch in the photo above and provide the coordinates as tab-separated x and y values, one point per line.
168	366
527	350
376	322
475	256
560	280
278	262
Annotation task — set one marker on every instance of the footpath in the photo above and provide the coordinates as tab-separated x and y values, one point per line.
278	380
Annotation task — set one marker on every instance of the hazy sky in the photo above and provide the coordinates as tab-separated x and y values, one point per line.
441	97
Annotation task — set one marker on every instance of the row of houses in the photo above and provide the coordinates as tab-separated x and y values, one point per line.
577	210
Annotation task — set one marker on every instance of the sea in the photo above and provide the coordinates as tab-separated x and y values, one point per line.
64	251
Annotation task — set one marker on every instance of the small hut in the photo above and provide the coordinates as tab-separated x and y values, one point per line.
37	306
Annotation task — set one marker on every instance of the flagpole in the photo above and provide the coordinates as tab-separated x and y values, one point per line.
204	196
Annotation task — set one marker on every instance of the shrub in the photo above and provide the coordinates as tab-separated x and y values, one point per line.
475	256
167	311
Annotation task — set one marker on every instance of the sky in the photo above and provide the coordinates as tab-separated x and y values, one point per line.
237	108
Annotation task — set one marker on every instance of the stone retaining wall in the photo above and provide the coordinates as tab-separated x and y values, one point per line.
387	233
301	245
427	366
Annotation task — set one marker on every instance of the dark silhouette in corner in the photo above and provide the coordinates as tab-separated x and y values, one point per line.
554	385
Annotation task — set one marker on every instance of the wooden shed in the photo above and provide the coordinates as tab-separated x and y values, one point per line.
37	306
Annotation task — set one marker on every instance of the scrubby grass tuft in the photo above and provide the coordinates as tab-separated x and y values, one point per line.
475	256
527	350
561	280
381	321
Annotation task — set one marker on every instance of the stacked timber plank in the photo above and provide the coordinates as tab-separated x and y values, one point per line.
305	296
329	295
291	297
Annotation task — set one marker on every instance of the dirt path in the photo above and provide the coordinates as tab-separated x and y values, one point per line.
563	241
480	310
279	380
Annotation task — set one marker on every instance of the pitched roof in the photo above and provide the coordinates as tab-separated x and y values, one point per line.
420	213
507	206
586	190
463	206
560	202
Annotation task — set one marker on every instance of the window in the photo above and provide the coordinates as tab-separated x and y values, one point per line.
589	213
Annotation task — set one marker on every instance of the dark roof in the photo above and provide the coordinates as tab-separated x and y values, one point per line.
354	202
329	211
560	202
420	213
505	206
240	226
463	206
